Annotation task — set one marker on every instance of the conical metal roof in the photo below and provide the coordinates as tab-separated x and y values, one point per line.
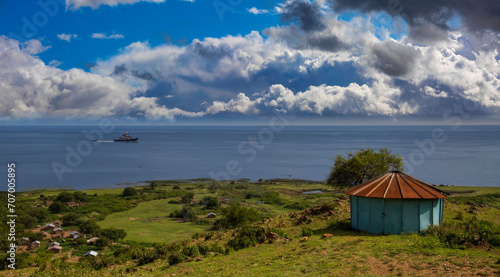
396	185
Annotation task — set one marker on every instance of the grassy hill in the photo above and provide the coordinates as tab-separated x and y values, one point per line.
275	245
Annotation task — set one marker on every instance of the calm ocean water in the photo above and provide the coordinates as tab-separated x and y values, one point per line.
469	155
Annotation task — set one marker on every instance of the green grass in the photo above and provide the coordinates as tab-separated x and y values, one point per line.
149	222
348	252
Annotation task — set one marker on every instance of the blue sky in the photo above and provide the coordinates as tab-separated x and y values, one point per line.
328	61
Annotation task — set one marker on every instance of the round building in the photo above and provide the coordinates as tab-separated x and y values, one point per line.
395	203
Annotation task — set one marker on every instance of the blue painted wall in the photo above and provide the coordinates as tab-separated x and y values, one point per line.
395	216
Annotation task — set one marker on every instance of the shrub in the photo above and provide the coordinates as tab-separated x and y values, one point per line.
298	205
129	191
89	227
187	197
272	197
176	258
176	187
236	216
307	232
102	242
210	202
114	234
246	237
281	233
147	256
473	231
65	197
191	251
70	219
57	207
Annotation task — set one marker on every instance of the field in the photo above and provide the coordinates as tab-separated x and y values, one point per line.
158	245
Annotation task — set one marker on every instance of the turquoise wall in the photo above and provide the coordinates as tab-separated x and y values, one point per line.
395	216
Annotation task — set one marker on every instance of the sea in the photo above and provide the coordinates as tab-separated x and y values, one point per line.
66	157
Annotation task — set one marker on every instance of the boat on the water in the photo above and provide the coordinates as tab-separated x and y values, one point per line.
126	138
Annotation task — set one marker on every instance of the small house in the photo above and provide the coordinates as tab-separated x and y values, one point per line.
24	241
90	253
49	226
54	243
58	230
395	203
36	243
74	234
57	224
55	249
211	215
92	240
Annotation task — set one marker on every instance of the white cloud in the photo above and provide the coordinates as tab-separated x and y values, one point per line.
95	4
33	46
55	63
31	89
67	37
254	10
104	36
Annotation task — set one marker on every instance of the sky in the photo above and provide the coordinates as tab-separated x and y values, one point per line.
194	61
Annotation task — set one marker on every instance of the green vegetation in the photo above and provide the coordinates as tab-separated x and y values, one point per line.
361	166
261	229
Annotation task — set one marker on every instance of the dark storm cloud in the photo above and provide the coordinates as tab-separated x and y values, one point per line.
426	33
326	43
209	51
144	75
394	59
307	14
476	15
119	69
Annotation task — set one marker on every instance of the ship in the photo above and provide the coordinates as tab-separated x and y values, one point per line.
126	138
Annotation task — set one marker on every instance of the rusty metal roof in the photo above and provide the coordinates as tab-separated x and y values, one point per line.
396	185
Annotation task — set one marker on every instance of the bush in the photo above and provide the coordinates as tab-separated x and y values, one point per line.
191	251
307	232
281	233
65	197
177	258
70	219
114	234
247	236
89	227
187	197
102	242
57	207
236	216
129	191
298	205
272	197
176	187
210	202
473	232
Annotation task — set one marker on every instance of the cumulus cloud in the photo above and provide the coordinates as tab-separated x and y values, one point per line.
475	15
254	10
67	37
33	46
31	89
95	4
104	36
319	66
306	13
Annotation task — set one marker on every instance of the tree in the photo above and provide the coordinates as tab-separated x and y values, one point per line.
57	207
361	166
65	197
186	198
210	202
129	191
236	216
